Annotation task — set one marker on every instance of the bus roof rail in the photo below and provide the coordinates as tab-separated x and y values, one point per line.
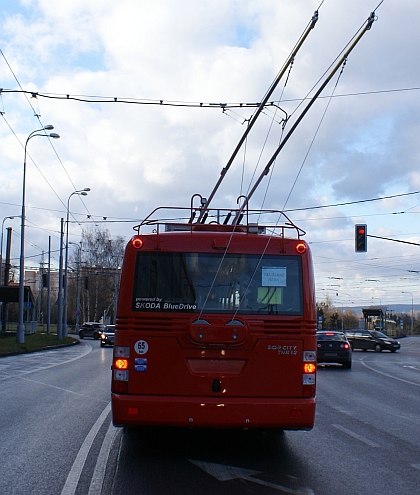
181	219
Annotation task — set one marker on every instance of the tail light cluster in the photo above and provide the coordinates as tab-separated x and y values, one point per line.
120	371
309	373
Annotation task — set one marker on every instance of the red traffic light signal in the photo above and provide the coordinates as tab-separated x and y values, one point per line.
360	239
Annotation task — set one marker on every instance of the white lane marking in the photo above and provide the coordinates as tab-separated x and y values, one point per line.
99	472
390	376
222	472
356	436
76	470
415	466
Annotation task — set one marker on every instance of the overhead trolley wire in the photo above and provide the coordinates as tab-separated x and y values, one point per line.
189	104
37	115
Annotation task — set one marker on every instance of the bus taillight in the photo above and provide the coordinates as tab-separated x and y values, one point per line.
309	373
119	387
121	364
120	373
309	368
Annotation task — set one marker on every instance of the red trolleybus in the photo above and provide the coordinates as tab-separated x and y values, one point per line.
216	326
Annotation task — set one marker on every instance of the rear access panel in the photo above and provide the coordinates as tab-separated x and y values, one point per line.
159	366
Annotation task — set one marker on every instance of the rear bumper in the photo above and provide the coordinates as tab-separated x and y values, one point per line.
213	412
333	357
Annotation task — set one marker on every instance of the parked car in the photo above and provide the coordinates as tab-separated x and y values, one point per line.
107	335
372	339
91	329
333	347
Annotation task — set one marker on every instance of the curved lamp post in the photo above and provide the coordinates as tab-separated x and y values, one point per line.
20	333
81	192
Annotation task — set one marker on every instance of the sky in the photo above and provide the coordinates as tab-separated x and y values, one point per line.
142	139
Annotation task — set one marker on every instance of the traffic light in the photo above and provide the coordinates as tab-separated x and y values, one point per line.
360	240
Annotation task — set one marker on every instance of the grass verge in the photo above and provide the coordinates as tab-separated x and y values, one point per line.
34	342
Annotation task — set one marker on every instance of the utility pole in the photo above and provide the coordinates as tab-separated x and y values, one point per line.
49	288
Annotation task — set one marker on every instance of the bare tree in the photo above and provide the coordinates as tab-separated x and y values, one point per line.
94	280
334	318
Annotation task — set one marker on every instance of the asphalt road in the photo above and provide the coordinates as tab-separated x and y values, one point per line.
56	436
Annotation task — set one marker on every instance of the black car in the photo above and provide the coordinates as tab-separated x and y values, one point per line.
333	347
91	329
107	335
372	339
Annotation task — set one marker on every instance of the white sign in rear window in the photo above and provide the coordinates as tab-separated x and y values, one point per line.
273	276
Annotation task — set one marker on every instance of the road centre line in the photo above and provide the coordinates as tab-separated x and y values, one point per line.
356	436
78	464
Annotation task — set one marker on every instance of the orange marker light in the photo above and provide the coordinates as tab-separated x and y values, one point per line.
301	247
137	243
121	364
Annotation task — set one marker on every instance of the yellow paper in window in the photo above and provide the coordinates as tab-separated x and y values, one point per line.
270	295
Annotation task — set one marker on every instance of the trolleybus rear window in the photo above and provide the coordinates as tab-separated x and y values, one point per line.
196	282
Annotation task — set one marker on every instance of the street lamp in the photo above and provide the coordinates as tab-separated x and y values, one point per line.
411	326
20	333
81	192
380	302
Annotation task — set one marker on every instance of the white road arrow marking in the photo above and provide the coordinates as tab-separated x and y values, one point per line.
225	473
